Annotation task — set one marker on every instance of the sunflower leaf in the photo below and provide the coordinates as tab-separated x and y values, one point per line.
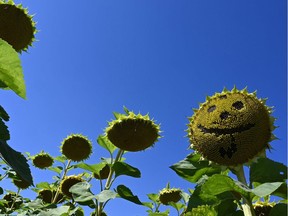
125	193
122	168
192	168
104	142
16	160
266	170
11	75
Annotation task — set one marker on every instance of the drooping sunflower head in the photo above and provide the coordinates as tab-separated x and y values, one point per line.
16	25
47	196
231	127
168	195
76	147
263	208
42	160
131	132
68	182
13	200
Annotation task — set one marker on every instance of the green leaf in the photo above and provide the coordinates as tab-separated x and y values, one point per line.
153	197
281	191
43	185
77	211
81	192
279	209
106	195
125	193
178	206
192	168
266	170
266	188
166	213
61	158
227	208
4	132
17	161
218	184
94	168
3	114
105	143
122	168
57	169
148	204
197	198
11	75
61	211
204	210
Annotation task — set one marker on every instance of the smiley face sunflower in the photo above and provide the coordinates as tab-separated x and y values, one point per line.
231	127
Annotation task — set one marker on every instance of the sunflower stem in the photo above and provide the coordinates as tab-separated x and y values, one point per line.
247	206
64	174
110	179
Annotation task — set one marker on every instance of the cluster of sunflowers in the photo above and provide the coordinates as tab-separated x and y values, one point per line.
221	131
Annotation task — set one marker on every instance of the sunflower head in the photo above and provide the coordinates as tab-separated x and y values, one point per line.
48	195
42	160
131	132
263	208
76	147
231	127
167	195
16	25
13	200
68	182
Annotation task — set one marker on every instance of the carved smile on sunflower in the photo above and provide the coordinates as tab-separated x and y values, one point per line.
231	127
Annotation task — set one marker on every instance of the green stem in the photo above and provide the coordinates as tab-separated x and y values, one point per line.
64	175
247	204
14	200
110	179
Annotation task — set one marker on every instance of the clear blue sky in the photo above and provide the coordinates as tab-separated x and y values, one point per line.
157	56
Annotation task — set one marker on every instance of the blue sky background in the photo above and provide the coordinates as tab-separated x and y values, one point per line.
158	56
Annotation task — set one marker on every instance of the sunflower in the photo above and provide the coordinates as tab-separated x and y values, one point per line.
131	132
16	26
42	160
231	128
76	147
